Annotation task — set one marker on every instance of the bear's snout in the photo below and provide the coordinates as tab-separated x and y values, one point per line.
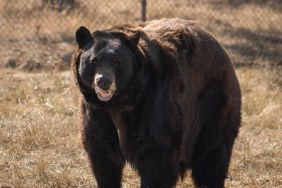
103	83
103	80
104	86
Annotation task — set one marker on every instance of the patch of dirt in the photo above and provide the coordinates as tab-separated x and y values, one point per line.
37	55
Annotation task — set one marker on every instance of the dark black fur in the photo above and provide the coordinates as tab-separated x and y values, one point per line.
178	108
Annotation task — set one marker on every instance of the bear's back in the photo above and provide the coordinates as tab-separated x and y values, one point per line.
159	26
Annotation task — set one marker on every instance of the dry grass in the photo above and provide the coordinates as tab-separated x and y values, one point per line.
40	141
249	32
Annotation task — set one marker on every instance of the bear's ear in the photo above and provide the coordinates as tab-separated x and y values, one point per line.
83	36
134	39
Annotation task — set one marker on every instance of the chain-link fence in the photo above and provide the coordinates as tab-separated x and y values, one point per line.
43	30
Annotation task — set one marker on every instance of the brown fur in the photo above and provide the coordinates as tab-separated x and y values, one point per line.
181	111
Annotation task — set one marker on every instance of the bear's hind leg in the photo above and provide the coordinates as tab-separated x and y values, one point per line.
211	170
158	170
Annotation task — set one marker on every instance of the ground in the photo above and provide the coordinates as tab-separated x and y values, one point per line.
41	146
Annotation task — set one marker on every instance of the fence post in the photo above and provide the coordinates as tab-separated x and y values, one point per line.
143	10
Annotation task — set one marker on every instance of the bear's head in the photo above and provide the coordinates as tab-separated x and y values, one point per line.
106	61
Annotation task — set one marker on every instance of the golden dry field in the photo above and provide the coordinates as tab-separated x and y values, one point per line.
40	142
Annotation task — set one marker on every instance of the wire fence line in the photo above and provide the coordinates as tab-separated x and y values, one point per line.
250	30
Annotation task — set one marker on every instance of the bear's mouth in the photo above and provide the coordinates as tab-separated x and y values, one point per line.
104	95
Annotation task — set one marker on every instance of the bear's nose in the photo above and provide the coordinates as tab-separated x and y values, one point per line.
103	83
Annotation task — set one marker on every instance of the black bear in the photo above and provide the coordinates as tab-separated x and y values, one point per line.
162	96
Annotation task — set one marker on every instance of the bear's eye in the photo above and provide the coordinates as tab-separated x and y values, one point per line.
116	64
95	59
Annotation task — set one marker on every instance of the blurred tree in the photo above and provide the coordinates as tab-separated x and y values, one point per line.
58	4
